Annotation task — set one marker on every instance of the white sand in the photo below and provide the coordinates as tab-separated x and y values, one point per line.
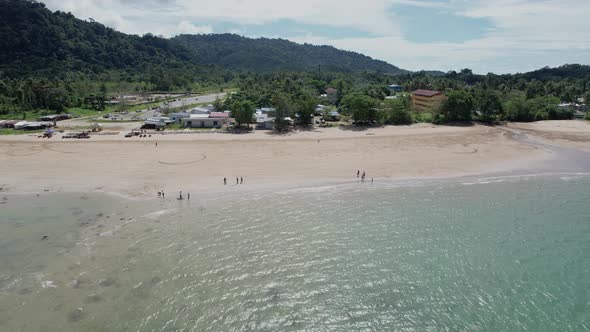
199	162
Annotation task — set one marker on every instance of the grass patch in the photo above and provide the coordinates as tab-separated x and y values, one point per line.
422	117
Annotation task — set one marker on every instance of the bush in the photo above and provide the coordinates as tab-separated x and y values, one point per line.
422	117
457	107
396	112
560	114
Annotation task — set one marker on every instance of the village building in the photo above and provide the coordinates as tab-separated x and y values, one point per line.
153	123
199	110
55	117
263	121
36	125
395	88
332	116
426	100
177	117
211	120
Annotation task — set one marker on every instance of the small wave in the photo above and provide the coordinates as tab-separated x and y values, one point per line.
521	177
48	284
156	214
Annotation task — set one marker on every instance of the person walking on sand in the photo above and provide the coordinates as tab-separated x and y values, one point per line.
156	143
371	180
241	180
358	173
237	181
188	196
163	193
224	181
180	195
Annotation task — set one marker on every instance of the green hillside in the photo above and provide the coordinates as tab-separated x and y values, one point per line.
268	55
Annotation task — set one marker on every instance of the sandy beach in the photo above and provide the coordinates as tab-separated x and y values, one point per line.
198	163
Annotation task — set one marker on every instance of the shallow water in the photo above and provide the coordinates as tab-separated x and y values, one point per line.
497	254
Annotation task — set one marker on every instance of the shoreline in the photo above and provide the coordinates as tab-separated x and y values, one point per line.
311	159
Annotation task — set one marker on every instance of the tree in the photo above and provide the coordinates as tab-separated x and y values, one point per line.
361	107
517	109
397	111
306	106
218	105
283	108
488	103
458	106
243	112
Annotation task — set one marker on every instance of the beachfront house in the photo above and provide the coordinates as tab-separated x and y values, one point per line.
199	110
265	122
177	117
211	120
395	88
426	100
266	110
55	117
332	116
153	123
26	125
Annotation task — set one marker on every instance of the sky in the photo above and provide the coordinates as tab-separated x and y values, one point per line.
500	36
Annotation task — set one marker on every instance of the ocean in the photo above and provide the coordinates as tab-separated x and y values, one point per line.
473	254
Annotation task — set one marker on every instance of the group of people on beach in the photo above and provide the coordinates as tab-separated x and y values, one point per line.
180	197
363	176
239	180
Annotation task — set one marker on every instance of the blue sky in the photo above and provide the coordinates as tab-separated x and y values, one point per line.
499	36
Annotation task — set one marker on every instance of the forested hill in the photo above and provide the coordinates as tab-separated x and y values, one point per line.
35	41
268	55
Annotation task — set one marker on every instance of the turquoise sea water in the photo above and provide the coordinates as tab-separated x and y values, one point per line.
510	254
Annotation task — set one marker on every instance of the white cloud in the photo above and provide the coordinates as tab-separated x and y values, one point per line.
526	34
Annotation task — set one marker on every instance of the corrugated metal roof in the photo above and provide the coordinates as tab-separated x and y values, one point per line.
426	93
219	115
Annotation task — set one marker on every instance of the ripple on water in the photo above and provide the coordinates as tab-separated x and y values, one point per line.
500	256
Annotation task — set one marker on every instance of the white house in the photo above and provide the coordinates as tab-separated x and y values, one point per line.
199	110
212	120
263	121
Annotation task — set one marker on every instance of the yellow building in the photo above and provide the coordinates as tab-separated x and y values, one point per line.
426	100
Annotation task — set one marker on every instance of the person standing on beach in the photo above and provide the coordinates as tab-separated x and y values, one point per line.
224	181
156	143
371	180
180	195
163	193
188	196
237	181
241	180
358	172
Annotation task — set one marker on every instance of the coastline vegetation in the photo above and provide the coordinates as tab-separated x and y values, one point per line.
78	66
